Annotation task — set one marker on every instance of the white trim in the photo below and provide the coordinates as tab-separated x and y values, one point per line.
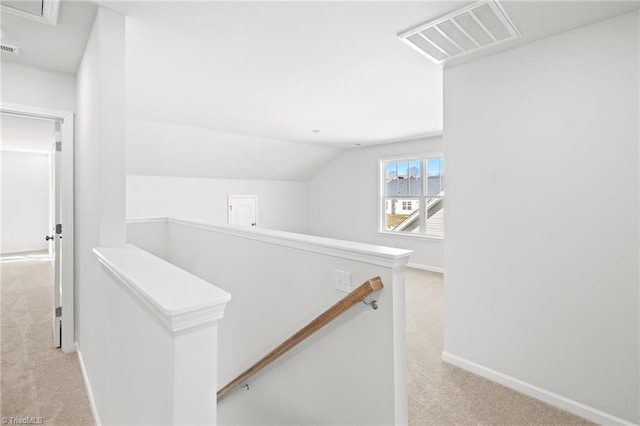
426	267
361	252
533	391
48	16
25	250
67	188
136	220
178	299
32	111
87	386
25	151
68	197
409	234
419	156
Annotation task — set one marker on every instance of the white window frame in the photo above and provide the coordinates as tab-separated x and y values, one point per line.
382	198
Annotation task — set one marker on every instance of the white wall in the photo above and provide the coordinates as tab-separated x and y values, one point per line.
349	183
162	349
351	372
100	197
541	247
281	205
25	85
25	201
165	149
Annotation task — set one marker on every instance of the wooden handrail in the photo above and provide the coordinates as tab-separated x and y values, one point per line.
320	321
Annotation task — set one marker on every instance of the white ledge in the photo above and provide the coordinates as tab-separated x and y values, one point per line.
366	253
180	300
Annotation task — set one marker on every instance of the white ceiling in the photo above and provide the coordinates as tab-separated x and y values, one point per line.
58	48
280	70
25	134
163	149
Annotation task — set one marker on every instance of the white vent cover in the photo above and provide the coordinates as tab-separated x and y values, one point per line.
9	49
479	25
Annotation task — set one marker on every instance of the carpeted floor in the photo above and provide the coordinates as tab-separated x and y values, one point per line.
440	394
37	380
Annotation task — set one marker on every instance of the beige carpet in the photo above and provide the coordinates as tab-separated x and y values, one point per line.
36	379
440	394
39	381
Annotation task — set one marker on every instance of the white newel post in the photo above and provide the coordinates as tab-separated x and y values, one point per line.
195	369
168	321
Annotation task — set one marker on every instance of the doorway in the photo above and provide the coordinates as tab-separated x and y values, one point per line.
58	149
243	210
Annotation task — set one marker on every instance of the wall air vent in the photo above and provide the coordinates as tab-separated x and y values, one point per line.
9	49
477	26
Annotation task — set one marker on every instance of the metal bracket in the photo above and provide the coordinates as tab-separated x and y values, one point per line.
59	228
59	146
58	311
373	304
245	386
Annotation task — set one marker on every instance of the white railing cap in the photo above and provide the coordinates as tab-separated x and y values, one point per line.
179	299
363	252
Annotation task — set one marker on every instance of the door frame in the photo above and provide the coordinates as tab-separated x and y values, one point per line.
68	202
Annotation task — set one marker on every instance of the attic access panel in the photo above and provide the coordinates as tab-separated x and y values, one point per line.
33	7
45	11
474	27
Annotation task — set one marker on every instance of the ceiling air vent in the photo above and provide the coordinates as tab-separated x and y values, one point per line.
9	49
479	25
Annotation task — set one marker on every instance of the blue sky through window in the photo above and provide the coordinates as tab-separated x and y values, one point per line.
435	167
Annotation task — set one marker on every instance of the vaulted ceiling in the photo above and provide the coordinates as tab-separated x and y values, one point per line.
329	73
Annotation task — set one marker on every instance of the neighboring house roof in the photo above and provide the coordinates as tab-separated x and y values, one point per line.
411	223
412	187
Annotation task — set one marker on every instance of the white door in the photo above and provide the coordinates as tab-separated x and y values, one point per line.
62	211
55	242
243	210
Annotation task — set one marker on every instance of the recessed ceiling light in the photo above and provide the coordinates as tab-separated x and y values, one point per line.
477	26
316	131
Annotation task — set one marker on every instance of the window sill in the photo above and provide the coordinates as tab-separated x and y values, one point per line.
409	235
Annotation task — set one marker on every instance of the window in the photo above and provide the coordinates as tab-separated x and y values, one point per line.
412	196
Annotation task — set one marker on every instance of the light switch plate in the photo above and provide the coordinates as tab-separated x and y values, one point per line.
343	280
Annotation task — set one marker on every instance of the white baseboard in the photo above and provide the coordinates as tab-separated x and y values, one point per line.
87	385
425	267
544	395
24	250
